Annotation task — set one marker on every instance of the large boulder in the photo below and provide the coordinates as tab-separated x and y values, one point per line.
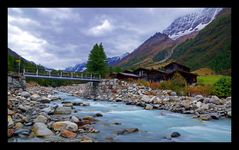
35	97
145	98
215	100
60	125
25	94
41	130
45	99
41	118
68	134
63	110
148	107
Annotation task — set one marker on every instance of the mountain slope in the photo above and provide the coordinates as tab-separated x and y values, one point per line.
210	48
13	64
146	51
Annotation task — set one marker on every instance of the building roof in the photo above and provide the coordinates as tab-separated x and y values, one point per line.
150	70
129	74
183	72
176	64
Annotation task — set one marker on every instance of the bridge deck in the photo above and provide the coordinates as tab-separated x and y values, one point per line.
63	78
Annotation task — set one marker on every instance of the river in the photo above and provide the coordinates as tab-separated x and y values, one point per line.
153	125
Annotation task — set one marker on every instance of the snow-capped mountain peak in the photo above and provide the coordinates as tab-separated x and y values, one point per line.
191	22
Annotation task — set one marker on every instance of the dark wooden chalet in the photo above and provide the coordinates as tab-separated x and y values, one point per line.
184	71
173	66
151	75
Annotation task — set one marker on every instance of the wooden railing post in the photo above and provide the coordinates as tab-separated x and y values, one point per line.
71	74
61	74
90	76
99	76
23	71
81	75
37	72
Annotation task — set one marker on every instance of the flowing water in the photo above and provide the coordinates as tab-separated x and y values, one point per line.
153	125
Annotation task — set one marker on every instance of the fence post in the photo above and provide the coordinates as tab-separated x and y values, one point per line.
71	74
37	72
23	71
90	76
81	75
99	76
49	73
61	74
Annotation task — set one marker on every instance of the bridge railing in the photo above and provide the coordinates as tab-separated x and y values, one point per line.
58	73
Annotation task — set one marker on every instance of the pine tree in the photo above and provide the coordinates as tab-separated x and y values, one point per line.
97	61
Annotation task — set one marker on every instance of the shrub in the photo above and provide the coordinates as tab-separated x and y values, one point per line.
177	84
204	90
222	88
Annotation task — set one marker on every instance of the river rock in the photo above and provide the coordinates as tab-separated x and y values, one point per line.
45	99
35	97
10	132
214	116
127	131
173	94
48	110
41	130
60	125
90	118
41	118
25	94
215	100
148	107
10	121
98	115
24	132
18	125
86	140
68	134
24	107
175	134
145	98
63	110
205	117
74	119
69	104
229	113
10	112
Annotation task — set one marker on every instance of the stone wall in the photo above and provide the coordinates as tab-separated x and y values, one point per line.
16	81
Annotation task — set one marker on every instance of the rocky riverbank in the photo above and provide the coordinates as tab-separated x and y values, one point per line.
204	108
31	114
36	112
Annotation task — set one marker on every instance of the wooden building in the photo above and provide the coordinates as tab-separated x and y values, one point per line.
158	75
184	71
124	76
151	75
189	77
173	66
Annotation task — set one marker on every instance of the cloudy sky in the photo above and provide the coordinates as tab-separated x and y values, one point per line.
62	37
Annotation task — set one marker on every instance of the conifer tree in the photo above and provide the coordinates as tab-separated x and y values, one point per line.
97	61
